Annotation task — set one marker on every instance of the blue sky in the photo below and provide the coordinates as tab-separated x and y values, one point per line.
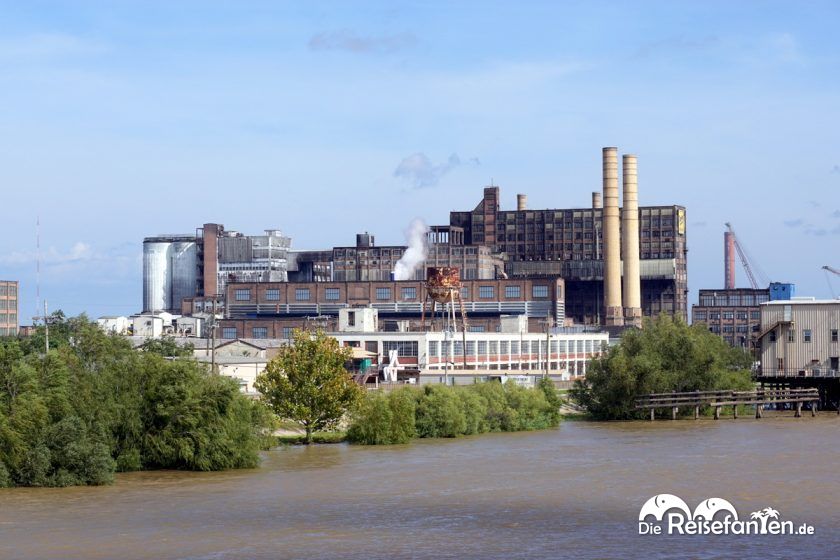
127	119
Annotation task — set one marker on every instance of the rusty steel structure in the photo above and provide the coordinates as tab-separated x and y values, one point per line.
443	286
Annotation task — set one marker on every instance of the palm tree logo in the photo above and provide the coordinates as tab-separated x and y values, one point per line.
763	515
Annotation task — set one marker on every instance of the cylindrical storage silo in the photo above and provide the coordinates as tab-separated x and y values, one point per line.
183	264
156	276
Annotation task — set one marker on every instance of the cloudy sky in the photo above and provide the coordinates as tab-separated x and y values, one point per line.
122	120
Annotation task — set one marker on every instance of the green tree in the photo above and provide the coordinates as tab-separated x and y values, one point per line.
308	383
666	355
167	347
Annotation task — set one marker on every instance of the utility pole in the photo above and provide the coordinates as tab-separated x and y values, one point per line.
548	322
46	319
213	342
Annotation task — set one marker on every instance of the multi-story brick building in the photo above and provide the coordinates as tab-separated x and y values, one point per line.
273	309
9	308
445	247
735	314
568	243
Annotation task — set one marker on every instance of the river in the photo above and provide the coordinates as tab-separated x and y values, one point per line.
571	492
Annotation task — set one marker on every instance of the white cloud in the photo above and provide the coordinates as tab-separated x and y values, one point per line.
347	40
419	170
47	45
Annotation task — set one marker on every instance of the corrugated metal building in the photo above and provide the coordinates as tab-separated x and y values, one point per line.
800	337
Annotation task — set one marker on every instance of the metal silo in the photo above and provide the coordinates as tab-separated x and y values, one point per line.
157	282
183	259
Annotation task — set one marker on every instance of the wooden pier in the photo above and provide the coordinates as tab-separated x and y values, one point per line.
719	399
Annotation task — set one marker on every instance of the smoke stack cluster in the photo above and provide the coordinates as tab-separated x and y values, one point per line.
521	202
621	236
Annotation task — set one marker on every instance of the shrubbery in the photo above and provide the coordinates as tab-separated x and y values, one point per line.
666	355
94	406
441	411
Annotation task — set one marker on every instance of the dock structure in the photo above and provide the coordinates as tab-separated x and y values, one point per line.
718	399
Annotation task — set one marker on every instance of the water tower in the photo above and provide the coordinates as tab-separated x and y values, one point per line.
443	286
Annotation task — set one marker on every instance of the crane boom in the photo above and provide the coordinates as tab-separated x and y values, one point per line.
831	269
742	255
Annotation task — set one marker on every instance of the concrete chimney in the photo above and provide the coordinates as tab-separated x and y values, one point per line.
630	243
596	200
728	260
612	244
521	202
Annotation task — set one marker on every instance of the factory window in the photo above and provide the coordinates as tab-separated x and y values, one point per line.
228	332
383	293
409	293
301	294
699	315
504	347
332	294
806	335
2	290
287	332
514	347
742	315
714	315
773	336
715	328
741	328
242	295
755	314
465	293
792	335
433	349
539	291
458	348
833	335
526	347
475	328
403	347
728	314
728	328
272	294
259	332
494	347
485	292
513	292
470	348
748	299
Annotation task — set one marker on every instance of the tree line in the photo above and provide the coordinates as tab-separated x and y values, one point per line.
94	406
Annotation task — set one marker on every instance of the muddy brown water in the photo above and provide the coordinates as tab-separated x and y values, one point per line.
573	492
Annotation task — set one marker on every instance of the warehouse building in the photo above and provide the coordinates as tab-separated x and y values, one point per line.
273	310
800	337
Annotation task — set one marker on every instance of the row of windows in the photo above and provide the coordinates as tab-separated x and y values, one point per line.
7	290
807	335
384	293
504	347
715	315
733	300
8	318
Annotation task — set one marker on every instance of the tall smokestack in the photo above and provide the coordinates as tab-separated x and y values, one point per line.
596	200
521	202
612	247
630	243
728	260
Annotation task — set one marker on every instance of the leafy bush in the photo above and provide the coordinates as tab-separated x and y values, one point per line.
666	355
442	411
93	406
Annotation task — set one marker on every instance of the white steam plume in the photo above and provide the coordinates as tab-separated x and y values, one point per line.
416	253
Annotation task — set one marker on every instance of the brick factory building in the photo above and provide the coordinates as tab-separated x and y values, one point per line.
9	306
273	309
568	243
735	314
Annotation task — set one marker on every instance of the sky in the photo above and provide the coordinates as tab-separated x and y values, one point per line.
128	119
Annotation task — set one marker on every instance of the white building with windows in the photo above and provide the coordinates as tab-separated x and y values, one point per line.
800	337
